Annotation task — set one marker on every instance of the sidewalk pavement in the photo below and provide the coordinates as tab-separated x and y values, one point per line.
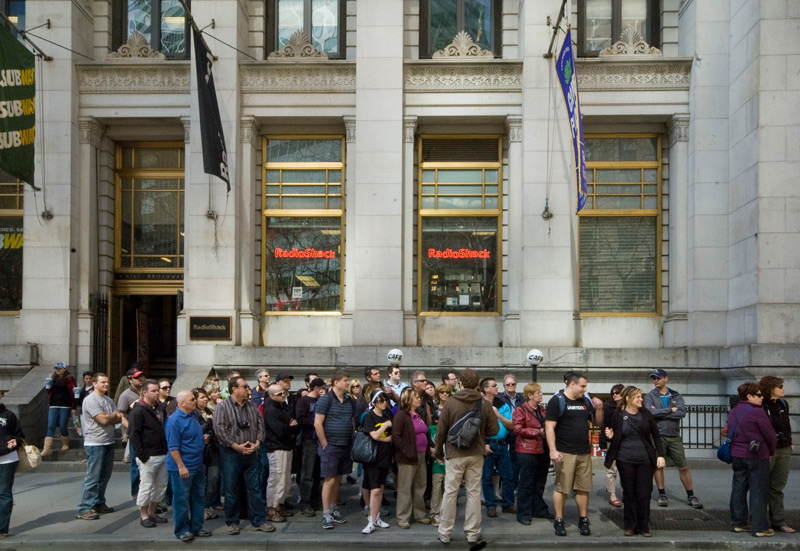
45	503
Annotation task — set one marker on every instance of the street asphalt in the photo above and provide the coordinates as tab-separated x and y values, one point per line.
45	502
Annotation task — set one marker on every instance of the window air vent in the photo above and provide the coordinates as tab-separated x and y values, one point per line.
453	150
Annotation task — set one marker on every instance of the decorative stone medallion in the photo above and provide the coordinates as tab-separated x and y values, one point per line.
136	47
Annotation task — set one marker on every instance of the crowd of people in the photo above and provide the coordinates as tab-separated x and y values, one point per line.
233	450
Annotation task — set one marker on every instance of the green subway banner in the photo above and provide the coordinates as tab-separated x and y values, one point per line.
17	107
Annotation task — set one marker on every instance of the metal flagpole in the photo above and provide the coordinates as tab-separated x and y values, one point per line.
549	53
24	36
196	28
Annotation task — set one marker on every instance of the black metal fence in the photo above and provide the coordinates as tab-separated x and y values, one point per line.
700	428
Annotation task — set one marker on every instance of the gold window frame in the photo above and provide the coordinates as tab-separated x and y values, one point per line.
649	213
463	213
302	213
121	173
18	194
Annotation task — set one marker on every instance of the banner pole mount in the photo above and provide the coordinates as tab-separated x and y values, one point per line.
24	36
549	53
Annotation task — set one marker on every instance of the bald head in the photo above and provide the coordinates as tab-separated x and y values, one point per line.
276	393
187	403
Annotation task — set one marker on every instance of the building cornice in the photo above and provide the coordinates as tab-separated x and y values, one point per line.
631	74
280	77
135	77
469	76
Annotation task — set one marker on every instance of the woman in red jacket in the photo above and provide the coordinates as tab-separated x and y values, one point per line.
532	455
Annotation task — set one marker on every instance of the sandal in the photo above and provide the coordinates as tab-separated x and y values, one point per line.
615	503
787	529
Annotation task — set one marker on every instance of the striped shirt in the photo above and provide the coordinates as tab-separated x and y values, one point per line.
338	424
227	418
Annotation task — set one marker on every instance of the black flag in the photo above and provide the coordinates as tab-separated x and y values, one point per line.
215	156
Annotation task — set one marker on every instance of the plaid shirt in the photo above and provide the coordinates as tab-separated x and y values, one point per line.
227	417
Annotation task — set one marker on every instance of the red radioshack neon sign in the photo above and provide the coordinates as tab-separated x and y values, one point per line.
303	253
457	254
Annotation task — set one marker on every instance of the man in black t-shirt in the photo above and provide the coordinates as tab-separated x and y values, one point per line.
567	428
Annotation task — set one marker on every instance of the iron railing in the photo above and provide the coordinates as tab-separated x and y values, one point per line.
702	424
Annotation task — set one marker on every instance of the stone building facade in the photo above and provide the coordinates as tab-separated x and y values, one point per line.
365	140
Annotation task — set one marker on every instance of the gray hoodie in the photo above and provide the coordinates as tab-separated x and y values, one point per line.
668	421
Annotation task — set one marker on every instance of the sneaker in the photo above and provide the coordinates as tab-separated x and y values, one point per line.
559	527
765	534
327	523
434	520
147	523
510	509
103	509
159	519
186	537
233	529
370	528
583	526
91	514
402	524
202	533
308	512
379	523
745	528
694	502
663	501
210	513
338	518
491	512
264	527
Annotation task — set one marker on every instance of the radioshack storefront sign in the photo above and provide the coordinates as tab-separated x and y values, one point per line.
303	253
458	253
217	328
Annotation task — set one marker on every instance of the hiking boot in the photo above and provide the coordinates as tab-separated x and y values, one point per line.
745	528
308	512
91	514
186	537
265	527
233	529
765	534
510	509
694	502
491	512
583	526
663	501
103	509
559	527
209	514
403	524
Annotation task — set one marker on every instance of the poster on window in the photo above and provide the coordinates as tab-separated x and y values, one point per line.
10	264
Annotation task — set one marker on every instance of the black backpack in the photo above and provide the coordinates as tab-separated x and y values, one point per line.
465	430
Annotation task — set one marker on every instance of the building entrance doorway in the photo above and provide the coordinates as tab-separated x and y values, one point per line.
144	329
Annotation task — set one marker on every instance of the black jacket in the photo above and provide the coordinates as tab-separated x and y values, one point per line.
280	436
650	437
146	430
9	430
778	413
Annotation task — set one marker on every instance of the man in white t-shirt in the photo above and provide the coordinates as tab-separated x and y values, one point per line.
98	419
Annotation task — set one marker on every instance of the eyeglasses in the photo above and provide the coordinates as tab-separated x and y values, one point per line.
286	381
759	395
356	386
421	381
165	387
281	393
493	385
779	386
510	384
445	393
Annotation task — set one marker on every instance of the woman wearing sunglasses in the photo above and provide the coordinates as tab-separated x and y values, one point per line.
778	412
378	423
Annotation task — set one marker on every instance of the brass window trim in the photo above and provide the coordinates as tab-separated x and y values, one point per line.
646	213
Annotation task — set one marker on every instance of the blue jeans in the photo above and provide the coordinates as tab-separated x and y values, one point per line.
134	472
99	465
234	466
58	417
750	476
263	470
502	460
188	501
7	472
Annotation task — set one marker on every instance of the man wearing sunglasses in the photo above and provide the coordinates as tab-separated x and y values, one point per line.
281	433
668	407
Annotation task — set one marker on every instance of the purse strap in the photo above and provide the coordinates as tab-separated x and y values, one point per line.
735	422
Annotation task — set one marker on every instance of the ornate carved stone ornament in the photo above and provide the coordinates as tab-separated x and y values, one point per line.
495	76
136	47
462	46
299	47
631	43
155	78
330	77
625	73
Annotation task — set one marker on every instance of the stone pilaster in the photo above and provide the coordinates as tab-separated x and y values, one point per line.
675	312
409	312
511	321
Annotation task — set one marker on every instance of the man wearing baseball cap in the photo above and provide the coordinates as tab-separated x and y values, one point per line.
668	408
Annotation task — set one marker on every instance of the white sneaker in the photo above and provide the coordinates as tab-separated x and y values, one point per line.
379	523
369	529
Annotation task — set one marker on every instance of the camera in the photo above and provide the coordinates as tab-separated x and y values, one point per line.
754	446
243	425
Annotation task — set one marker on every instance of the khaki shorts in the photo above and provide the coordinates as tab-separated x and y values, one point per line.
574	472
674	455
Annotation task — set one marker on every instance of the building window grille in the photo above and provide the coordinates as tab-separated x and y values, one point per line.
322	21
162	22
459	224
442	20
601	22
150	184
619	226
303	206
11	197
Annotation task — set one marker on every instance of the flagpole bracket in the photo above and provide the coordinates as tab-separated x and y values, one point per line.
547	213
47	214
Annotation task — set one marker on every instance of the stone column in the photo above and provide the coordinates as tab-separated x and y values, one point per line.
511	321
91	135
409	312
249	179
349	301
676	310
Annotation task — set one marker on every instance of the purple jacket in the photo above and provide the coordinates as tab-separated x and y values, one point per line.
753	424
